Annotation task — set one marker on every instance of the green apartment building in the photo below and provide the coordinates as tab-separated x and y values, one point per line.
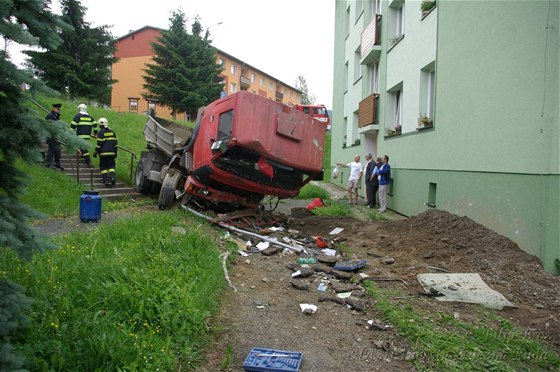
463	97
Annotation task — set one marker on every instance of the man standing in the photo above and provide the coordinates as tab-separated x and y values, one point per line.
356	171
371	180
107	150
83	124
384	175
53	151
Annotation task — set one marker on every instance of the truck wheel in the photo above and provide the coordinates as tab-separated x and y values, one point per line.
143	184
168	187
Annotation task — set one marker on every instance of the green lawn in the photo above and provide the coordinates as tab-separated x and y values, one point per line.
132	295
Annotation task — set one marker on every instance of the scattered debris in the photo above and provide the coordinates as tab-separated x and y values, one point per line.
224	256
307	260
336	231
261	359
342	287
463	288
428	255
377	325
389	261
355	304
344	294
321	243
344	275
270	251
303	272
322	286
350	265
329	252
308	308
299	284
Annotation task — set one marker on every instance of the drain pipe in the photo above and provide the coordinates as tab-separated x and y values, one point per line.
244	232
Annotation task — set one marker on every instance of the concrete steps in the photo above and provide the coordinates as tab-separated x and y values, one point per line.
89	174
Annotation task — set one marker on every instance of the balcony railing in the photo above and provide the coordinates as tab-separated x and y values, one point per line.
371	36
368	111
245	82
279	96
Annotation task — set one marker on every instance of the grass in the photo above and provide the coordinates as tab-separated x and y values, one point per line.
128	126
341	209
132	295
50	192
442	342
373	215
311	192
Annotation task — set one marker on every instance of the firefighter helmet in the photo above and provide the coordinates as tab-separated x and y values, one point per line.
82	107
103	122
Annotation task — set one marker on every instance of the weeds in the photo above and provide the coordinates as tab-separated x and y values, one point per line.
335	209
445	343
311	192
132	295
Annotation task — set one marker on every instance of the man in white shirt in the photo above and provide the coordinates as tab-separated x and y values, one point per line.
356	171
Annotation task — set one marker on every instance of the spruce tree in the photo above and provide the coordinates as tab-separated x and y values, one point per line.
27	22
184	75
81	65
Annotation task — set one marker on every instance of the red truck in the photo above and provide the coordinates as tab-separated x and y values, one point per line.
242	148
319	112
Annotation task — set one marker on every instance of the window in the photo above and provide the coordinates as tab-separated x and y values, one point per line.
427	95
270	86
399	31
232	87
357	65
253	78
375	7
225	125
221	62
346	77
359	9
133	104
345	131
347	21
398	109
263	82
151	107
374	78
233	69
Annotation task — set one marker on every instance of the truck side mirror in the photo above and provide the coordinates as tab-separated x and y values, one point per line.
218	145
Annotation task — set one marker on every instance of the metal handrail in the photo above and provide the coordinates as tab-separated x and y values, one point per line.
133	156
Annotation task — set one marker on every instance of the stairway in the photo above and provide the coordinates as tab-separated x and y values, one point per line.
90	178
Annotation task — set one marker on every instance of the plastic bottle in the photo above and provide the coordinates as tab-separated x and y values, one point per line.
307	260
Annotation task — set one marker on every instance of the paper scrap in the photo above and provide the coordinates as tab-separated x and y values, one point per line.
286	239
336	231
297	273
262	246
308	308
329	252
276	228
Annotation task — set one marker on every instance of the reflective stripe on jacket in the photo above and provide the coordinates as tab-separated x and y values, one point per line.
106	142
83	124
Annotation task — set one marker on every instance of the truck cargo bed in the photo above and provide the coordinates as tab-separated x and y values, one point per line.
166	135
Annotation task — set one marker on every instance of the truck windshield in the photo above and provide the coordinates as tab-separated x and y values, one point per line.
225	125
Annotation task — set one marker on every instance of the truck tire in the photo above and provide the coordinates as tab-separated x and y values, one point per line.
168	187
143	184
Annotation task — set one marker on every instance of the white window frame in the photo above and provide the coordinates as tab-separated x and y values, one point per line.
374	78
357	66
253	78
233	69
232	87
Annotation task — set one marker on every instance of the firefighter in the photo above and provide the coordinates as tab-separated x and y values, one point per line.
107	150
83	123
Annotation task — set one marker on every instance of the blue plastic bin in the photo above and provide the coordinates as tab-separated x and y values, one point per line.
90	206
270	360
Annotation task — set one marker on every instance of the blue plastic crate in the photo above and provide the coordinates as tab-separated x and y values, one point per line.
271	360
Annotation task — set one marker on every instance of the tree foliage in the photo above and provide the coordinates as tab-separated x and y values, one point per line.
184	75
27	22
81	65
306	97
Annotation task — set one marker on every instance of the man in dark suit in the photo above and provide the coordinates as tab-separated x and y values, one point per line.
372	181
54	151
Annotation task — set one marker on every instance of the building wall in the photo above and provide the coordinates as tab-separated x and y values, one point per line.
134	52
493	153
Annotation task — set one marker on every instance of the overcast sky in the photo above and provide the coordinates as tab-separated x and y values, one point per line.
282	38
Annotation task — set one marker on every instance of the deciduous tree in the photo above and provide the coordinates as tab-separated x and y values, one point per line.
306	98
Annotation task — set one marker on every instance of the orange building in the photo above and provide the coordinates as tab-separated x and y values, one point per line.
134	51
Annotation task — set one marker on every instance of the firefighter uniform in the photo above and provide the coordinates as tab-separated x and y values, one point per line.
107	150
83	123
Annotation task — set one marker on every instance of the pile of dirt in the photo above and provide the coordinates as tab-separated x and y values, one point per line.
265	311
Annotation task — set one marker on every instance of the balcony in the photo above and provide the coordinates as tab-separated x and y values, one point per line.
244	82
279	96
371	41
367	117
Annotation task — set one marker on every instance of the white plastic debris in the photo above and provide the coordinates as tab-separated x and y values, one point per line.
248	243
329	252
297	273
344	295
274	228
286	239
243	253
336	231
263	245
308	308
